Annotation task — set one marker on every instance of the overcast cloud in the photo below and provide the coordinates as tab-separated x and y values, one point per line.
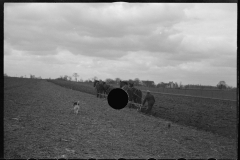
188	43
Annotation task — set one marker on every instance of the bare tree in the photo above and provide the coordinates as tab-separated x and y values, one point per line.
137	81
162	85
32	76
94	78
180	85
89	80
109	80
65	77
75	75
117	80
222	85
176	85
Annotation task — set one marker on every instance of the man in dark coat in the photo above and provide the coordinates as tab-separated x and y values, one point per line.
151	100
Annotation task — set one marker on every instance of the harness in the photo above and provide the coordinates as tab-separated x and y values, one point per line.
136	94
108	88
126	88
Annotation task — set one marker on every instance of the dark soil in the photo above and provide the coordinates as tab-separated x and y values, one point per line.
216	116
39	123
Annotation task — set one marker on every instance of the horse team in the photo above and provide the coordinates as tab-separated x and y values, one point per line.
134	94
102	88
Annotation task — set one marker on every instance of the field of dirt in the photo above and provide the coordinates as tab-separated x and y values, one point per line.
216	116
39	123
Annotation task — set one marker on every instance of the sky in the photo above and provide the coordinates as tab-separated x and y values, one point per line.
193	43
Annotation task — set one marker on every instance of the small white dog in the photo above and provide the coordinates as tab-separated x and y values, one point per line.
76	107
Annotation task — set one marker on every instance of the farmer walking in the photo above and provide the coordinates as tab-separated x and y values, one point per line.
150	100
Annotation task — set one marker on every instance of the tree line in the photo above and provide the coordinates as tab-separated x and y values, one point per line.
138	82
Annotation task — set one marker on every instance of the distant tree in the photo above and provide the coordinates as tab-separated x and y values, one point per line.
153	84
222	85
109	81
131	81
234	88
75	75
81	80
167	85
229	87
5	75
117	80
180	85
90	81
137	81
32	76
59	78
176	85
159	85
65	77
149	83
94	78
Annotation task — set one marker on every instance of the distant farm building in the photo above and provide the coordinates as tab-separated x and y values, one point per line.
171	85
147	83
168	85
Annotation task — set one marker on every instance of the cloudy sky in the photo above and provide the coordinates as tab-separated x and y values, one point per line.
189	43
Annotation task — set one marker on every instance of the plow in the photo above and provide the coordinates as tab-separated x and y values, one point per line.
139	106
125	88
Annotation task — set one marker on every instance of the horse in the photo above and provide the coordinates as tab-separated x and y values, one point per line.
130	84
137	95
123	83
95	82
134	94
128	90
107	88
99	88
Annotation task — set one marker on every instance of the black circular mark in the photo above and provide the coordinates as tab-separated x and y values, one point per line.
117	98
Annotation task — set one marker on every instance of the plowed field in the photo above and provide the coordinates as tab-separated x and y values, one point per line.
213	115
39	123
